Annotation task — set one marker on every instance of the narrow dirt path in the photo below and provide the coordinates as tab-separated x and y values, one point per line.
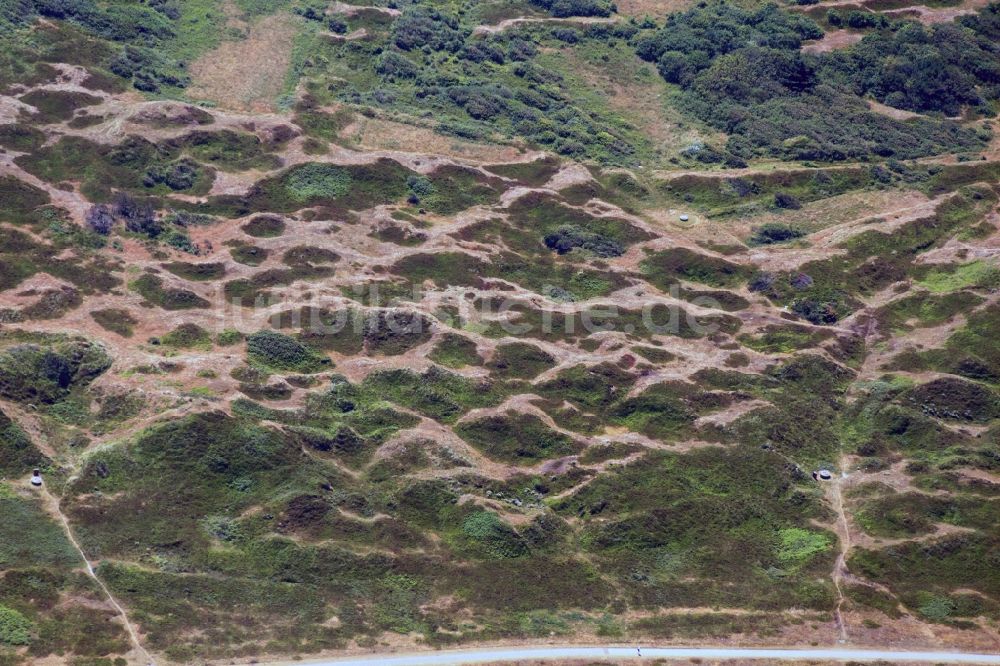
52	505
844	537
572	20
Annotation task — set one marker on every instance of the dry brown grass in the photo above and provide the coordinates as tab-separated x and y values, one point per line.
833	211
634	90
651	7
930	15
894	113
247	75
381	134
831	41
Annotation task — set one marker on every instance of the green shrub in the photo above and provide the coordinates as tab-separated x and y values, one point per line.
15	629
19	201
317	181
775	232
280	352
21	138
772	99
249	255
187	336
455	351
196	272
955	399
323	125
17	453
565	8
31	373
520	360
115	320
151	288
228	338
30	539
394	332
486	533
514	437
665	268
226	149
56	106
264	226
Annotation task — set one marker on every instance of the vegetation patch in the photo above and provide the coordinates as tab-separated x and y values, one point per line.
196	272
516	438
135	164
19	201
355	187
455	351
955	399
249	255
775	232
22	138
115	320
280	352
18	454
188	336
450	189
665	268
256	289
532	174
520	360
36	374
436	393
785	339
794	109
264	226
975	274
151	288
926	309
56	106
684	521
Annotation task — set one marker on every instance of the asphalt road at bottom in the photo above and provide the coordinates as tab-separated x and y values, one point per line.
639	654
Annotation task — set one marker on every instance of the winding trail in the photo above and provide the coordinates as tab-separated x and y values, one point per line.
521	654
571	20
54	508
840	566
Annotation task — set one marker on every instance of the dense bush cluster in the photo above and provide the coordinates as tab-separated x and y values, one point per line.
32	373
281	352
568	238
117	22
939	68
99	219
564	8
138	27
432	64
428	29
15	13
17	453
857	20
743	72
774	232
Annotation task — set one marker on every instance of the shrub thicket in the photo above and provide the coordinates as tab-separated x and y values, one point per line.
743	72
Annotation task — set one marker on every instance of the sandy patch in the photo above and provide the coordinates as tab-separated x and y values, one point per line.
653	8
634	90
928	15
831	41
247	75
892	112
380	134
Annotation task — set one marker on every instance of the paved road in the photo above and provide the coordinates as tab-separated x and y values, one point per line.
514	655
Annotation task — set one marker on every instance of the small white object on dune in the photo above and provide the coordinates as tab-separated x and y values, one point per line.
685	218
